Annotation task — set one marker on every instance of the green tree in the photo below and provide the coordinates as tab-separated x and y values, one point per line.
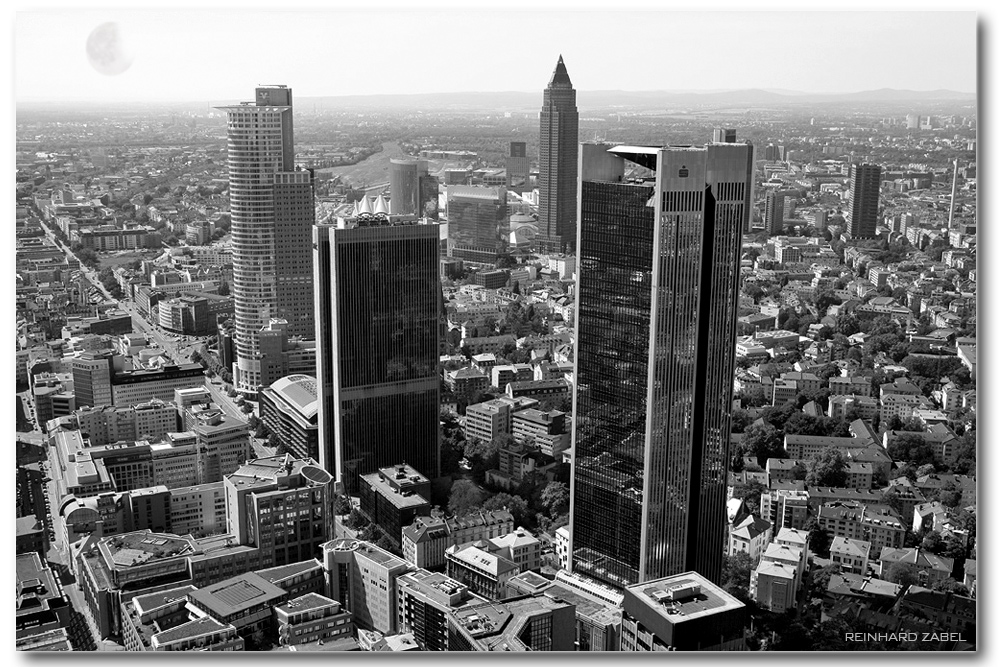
555	498
763	442
904	574
752	396
821	577
517	506
464	498
949	585
750	494
342	505
356	520
741	419
736	571
911	448
950	495
829	468
965	450
819	541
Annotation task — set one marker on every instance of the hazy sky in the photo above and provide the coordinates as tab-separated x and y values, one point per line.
221	54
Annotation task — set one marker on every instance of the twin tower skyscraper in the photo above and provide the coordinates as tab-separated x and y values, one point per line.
657	232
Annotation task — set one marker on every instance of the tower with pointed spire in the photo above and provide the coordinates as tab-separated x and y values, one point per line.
557	159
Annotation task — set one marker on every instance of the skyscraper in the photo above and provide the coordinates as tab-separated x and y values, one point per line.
477	222
724	135
517	167
862	200
774	211
658	267
377	307
271	205
557	164
404	189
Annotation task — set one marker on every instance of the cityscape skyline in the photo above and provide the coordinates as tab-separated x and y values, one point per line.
372	388
43	40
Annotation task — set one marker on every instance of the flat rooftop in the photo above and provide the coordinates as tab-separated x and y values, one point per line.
238	594
139	548
401	500
370	551
307	602
709	600
189	630
146	603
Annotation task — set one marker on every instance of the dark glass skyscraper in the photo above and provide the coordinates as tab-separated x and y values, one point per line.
477	222
377	310
657	304
862	200
557	164
518	167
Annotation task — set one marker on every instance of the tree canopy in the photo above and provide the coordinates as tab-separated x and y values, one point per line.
465	497
829	468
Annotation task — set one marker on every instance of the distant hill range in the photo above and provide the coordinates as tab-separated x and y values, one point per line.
604	99
522	102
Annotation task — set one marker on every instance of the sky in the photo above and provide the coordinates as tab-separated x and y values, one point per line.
191	54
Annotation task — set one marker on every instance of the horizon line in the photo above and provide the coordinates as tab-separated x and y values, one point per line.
717	91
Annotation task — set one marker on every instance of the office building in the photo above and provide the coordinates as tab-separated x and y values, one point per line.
245	602
483	566
362	577
723	136
685	612
427	538
559	137
42	607
774	211
393	497
290	408
271	205
518	167
162	621
92	373
312	618
598	621
652	412
862	200
526	623
477	222
280	505
108	424
404	187
425	600
141	386
378	303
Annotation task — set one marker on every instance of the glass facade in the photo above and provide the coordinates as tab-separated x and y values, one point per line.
477	221
616	255
862	205
383	352
659	269
322	270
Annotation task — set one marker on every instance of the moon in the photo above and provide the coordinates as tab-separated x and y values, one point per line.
107	50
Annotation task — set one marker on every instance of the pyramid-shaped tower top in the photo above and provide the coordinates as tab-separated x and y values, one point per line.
366	206
560	77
